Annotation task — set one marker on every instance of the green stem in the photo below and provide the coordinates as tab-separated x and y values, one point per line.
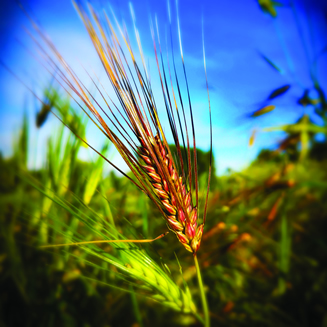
203	296
136	308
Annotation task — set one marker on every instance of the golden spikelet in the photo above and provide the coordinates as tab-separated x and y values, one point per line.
181	216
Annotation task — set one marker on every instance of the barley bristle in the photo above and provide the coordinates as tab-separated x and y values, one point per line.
171	192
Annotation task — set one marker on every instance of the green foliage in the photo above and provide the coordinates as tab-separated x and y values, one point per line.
263	248
70	201
21	147
263	254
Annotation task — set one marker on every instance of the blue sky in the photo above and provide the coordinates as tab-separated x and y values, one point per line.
235	32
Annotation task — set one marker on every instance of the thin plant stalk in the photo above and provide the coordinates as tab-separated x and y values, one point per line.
136	130
203	296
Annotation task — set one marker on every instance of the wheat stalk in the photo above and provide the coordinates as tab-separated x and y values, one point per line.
136	129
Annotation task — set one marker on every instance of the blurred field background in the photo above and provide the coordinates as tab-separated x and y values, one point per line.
264	250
